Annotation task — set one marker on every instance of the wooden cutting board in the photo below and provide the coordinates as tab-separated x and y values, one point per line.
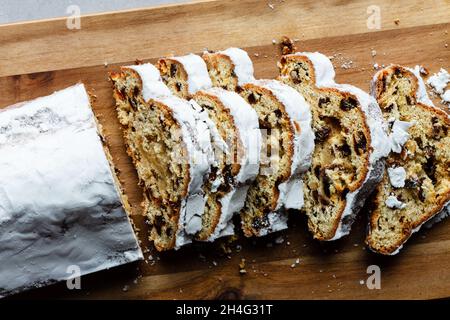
37	58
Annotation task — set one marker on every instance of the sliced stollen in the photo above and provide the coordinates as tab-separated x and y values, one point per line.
350	144
239	128
288	142
61	204
416	186
230	68
222	197
184	75
169	140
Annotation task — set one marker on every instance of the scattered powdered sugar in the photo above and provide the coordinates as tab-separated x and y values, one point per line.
438	82
394	203
399	135
446	97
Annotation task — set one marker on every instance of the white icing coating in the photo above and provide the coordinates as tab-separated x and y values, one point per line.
299	113
246	121
197	72
446	97
394	203
421	93
397	176
152	84
324	77
277	221
243	65
59	203
438	81
231	203
219	146
197	137
323	68
399	135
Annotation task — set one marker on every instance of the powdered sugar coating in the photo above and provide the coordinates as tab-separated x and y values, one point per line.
299	113
397	176
197	72
290	191
197	137
243	66
246	122
59	202
152	84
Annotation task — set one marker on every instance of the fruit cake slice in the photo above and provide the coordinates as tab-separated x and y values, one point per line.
239	128
220	189
170	144
416	186
230	68
184	75
285	121
350	144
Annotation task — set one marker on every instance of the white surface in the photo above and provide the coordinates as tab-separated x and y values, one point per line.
23	10
59	205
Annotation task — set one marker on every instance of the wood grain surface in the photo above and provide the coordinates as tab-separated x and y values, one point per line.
38	58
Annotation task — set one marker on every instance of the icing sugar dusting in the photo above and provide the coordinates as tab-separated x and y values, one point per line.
59	203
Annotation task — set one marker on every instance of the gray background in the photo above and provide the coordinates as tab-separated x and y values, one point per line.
22	10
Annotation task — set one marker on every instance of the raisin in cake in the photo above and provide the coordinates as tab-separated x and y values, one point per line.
238	167
184	75
416	186
230	68
287	144
170	144
350	144
61	203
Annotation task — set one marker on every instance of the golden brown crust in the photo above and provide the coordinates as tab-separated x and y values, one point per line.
167	73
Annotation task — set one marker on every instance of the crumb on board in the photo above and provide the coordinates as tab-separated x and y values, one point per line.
287	45
397	21
423	71
279	240
242	267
